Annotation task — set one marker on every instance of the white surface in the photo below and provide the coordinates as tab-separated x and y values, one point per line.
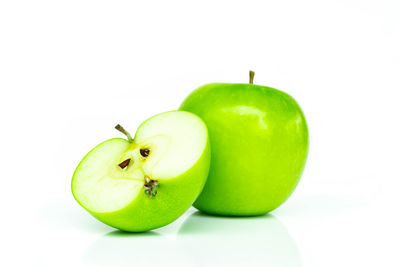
71	70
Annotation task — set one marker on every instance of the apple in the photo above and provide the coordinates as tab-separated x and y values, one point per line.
259	146
148	181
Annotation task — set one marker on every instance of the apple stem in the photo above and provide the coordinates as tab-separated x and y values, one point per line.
251	74
122	130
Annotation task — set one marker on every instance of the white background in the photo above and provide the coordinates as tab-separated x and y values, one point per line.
70	70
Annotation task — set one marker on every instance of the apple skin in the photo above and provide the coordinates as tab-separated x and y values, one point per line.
174	197
259	146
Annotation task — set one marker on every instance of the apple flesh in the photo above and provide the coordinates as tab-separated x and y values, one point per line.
259	145
148	181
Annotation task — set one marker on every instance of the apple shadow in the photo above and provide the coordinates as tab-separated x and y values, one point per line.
119	248
202	240
211	240
123	234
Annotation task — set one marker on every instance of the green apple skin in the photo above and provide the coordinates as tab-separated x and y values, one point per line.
259	145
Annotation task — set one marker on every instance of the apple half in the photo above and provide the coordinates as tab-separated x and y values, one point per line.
147	181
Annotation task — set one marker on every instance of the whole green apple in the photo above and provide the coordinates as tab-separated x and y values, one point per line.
147	181
259	146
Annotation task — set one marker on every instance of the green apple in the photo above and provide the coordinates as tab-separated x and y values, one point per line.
259	146
148	181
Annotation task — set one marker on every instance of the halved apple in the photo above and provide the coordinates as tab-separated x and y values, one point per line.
148	181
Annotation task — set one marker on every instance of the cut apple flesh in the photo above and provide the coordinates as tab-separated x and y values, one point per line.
115	172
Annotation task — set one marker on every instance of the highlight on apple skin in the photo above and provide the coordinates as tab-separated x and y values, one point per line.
148	181
259	145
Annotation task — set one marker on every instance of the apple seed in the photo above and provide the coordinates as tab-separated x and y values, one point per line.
125	163
144	152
